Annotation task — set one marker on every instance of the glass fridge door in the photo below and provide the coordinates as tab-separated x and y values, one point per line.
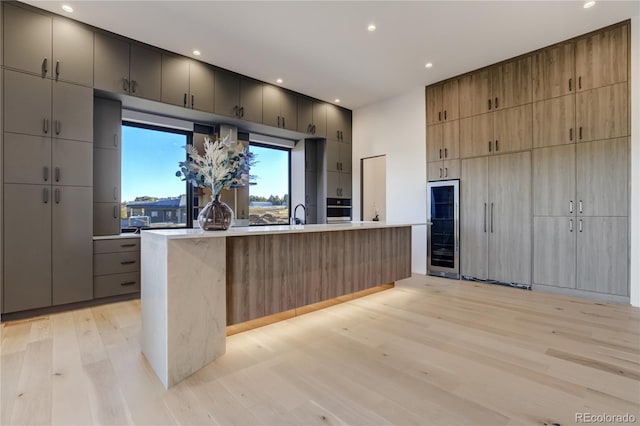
443	227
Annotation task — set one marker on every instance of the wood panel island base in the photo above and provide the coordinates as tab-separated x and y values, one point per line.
194	283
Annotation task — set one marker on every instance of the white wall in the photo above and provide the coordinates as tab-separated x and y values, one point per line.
635	162
396	128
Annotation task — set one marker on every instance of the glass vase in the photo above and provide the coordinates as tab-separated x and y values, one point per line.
215	216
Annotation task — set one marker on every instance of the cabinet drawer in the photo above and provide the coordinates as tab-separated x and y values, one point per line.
116	263
116	245
112	285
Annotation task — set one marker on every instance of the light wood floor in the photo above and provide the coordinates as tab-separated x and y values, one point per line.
429	351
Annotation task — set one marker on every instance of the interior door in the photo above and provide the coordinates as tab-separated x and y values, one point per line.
374	192
474	221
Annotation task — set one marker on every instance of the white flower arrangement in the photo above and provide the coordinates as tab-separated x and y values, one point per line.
225	164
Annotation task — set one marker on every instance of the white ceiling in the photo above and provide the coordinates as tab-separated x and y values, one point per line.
323	48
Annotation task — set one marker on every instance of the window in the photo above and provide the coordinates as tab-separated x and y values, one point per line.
269	197
152	195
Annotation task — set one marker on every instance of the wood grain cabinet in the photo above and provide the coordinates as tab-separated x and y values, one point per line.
279	108
475	93
442	102
312	117
602	58
512	129
237	96
603	113
338	123
554	121
187	83
476	135
553	72
49	46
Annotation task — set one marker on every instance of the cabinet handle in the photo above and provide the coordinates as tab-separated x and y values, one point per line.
446	171
125	84
134	84
283	122
580	133
57	194
571	134
241	112
185	100
126	283
115	213
570	225
192	100
337	165
489	146
446	153
570	84
445	115
45	173
489	104
580	206
580	225
115	140
45	125
314	129
236	111
57	69
496	103
580	82
485	217
57	174
440	172
45	67
45	195
58	125
440	153
571	206
115	193
439	116
497	146
127	262
492	218
127	245
278	121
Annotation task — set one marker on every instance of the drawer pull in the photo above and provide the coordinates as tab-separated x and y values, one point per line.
126	283
127	262
128	245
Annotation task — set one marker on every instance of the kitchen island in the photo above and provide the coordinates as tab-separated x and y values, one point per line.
195	283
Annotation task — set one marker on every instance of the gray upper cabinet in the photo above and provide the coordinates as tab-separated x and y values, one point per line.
106	175
145	71
338	123
175	80
201	86
27	104
250	100
107	125
72	112
27	40
72	52
279	108
319	119
312	117
338	156
72	163
111	63
34	168
338	185
227	91
72	245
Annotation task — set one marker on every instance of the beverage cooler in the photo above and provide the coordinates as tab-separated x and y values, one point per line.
443	237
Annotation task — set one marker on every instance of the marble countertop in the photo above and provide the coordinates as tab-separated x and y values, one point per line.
266	230
116	237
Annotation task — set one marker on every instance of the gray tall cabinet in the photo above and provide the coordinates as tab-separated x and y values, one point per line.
47	176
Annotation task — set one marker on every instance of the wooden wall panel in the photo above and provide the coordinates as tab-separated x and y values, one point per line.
245	278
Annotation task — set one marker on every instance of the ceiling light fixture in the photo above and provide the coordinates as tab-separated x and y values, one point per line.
371	28
67	8
589	4
337	101
196	52
279	81
428	65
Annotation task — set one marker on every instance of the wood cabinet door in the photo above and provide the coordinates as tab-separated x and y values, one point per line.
602	176
283	259
474	218
603	258
476	135
603	113
334	283
434	104
245	278
451	139
72	244
250	100
553	72
27	104
72	163
320	119
111	64
106	218
271	106
450	106
554	251
475	93
227	93
554	121
106	175
451	169
72	52
175	80
27	159
435	150
511	83
72	112
435	171
513	129
27	247
146	72
201	86
27	40
305	115
107	123
309	272
602	58
554	181
510	223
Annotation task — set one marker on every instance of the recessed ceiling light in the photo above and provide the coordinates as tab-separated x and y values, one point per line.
589	4
428	65
337	101
196	52
67	8
279	81
371	27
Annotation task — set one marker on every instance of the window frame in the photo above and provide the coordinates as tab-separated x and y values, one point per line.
288	151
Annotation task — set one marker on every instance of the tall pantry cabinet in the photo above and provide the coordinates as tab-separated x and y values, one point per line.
47	174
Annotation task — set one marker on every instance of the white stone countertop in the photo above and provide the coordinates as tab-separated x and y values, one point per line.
116	237
266	230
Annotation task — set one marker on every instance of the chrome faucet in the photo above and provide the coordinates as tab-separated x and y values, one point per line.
294	220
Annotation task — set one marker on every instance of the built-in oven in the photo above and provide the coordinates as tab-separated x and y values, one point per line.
338	210
443	238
